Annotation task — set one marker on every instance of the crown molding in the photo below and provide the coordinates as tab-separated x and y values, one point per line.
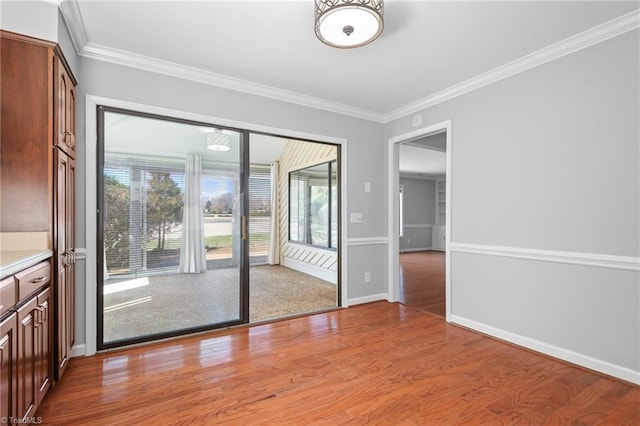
75	24
597	34
73	19
126	58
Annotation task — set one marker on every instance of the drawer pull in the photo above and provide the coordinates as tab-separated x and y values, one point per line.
68	139
39	316
38	280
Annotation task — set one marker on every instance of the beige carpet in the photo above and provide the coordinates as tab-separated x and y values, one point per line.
157	304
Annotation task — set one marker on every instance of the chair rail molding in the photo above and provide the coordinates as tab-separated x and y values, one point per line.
367	241
626	263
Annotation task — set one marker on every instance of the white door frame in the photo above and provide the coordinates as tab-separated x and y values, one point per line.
394	220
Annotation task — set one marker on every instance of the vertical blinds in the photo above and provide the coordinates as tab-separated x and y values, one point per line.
142	224
259	212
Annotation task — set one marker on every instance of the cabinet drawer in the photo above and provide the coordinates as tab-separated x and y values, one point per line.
8	294
32	279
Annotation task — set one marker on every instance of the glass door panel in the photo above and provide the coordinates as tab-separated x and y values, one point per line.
171	203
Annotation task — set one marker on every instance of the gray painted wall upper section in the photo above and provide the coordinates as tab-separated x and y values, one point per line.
548	158
365	138
419	201
419	210
34	18
64	40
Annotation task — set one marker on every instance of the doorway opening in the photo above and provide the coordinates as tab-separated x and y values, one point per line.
194	227
422	167
419	219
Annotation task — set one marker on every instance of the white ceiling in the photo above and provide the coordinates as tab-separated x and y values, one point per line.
421	162
130	134
269	47
426	46
425	157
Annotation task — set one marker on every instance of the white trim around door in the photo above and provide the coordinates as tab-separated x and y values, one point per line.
91	144
393	213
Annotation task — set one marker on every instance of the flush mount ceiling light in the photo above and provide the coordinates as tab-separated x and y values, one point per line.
218	141
348	23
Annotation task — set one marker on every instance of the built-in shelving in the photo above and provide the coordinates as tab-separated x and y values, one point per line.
441	202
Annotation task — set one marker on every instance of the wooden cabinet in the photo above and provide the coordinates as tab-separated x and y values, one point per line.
37	182
26	343
8	365
64	258
43	344
33	367
26	371
65	107
64	213
25	146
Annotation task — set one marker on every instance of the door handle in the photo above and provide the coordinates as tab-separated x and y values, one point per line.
243	226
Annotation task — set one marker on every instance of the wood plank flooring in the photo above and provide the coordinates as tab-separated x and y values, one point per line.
380	363
422	281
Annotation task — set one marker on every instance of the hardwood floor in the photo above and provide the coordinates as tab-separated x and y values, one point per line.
380	363
422	281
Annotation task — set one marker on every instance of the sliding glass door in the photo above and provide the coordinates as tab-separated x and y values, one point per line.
172	227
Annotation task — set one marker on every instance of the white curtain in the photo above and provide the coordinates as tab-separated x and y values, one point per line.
192	255
273	257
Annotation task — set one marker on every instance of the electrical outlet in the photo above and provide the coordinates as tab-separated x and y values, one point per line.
367	277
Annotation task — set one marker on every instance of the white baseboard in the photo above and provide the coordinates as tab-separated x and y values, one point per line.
78	350
368	299
313	270
554	351
413	249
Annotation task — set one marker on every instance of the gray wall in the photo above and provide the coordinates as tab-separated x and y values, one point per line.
34	18
364	146
548	160
419	213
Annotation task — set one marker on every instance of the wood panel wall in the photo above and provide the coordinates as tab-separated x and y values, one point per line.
297	155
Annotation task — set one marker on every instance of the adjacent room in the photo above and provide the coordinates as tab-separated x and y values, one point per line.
422	166
176	232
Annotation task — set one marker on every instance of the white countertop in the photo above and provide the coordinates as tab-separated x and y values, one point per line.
12	261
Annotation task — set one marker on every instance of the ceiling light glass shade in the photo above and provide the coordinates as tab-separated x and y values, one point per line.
218	141
349	23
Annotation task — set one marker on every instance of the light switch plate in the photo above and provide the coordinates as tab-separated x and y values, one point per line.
356	217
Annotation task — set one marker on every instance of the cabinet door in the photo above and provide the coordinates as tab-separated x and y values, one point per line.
64	109
25	163
64	289
71	249
8	366
42	345
26	371
71	117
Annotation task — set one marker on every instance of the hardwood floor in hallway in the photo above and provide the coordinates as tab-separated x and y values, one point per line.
422	281
380	363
